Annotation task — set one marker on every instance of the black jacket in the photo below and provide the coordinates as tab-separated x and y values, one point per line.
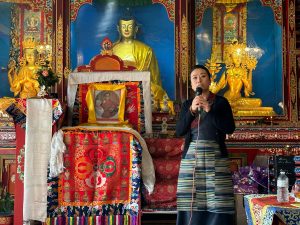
219	120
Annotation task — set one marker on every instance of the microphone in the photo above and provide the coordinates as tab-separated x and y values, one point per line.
199	92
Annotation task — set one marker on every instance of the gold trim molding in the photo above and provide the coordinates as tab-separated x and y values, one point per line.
59	48
184	50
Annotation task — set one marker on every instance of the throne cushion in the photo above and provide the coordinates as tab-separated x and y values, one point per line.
105	63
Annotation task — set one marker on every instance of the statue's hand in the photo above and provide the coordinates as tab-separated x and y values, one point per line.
213	86
248	93
12	64
11	72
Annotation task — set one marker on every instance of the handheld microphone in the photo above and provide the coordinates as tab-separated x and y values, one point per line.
199	92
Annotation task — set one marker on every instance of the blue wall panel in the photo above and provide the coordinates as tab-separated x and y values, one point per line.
96	21
5	24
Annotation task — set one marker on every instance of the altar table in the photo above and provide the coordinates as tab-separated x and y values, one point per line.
261	209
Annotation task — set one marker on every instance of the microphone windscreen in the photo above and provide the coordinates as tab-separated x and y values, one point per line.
198	91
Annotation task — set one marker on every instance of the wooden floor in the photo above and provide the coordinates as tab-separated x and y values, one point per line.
161	219
170	219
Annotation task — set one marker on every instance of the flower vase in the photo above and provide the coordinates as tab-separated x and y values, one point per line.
44	91
48	91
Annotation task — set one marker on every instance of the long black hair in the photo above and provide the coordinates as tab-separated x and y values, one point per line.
201	67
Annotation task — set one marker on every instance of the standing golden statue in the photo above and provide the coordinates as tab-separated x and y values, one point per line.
24	82
237	78
139	55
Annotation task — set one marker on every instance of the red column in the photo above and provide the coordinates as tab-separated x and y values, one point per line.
19	185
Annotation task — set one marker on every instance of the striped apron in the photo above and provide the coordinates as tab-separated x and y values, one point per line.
205	182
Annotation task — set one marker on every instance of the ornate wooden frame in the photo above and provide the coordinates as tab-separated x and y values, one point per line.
283	132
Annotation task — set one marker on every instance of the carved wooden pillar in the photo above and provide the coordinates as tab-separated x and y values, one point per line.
184	43
61	48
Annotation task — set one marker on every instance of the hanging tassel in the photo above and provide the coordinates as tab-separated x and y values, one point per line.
86	221
120	219
109	220
112	217
91	220
100	220
116	219
59	220
125	220
97	220
77	220
64	220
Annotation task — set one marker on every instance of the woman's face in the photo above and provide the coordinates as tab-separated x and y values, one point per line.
200	78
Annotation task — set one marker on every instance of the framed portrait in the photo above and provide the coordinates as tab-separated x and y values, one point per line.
106	103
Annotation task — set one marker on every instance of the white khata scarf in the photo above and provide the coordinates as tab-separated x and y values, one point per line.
37	151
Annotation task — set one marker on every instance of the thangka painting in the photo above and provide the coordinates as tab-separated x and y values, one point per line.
32	25
228	26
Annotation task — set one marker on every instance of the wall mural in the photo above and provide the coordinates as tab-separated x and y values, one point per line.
5	24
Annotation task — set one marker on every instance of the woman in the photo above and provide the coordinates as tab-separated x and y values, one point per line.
204	191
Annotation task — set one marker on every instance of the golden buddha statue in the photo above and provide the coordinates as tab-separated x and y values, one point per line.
139	55
238	77
24	82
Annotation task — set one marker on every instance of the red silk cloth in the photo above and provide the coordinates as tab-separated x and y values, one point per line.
166	156
97	168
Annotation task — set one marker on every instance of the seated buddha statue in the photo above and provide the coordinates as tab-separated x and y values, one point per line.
24	82
237	79
139	55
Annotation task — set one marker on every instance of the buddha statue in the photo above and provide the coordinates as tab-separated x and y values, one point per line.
139	55
24	82
237	79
